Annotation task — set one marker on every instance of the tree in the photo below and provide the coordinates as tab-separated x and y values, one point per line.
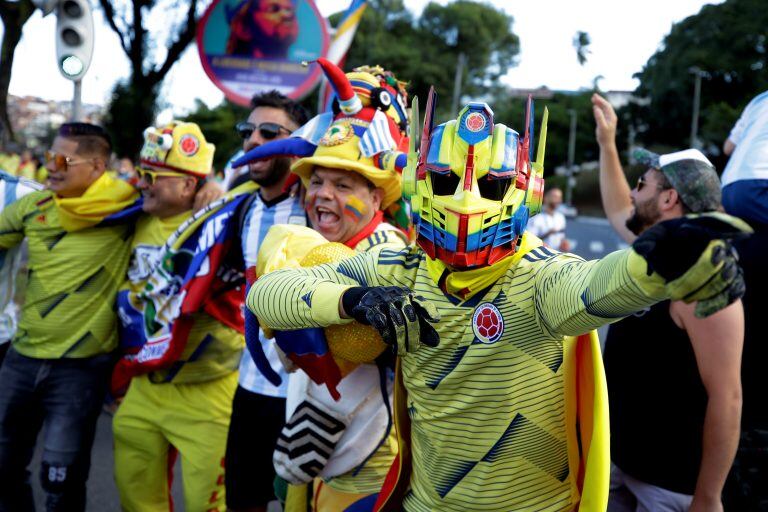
511	111
134	101
14	16
425	51
581	42
728	41
218	125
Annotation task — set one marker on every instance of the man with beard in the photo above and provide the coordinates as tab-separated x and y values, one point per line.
673	379
263	29
258	409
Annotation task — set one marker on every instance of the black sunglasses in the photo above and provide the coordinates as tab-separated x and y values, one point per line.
268	131
642	182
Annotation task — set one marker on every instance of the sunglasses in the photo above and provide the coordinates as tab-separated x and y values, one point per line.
61	161
150	177
641	183
268	131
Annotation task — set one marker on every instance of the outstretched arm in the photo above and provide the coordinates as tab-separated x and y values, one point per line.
614	189
575	296
309	297
683	259
717	343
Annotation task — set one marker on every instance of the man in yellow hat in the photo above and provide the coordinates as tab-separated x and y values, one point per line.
186	407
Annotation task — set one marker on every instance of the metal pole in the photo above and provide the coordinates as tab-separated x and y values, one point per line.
77	101
571	158
696	102
457	83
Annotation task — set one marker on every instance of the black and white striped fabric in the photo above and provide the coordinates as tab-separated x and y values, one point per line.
307	441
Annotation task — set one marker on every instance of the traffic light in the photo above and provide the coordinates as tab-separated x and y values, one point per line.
74	37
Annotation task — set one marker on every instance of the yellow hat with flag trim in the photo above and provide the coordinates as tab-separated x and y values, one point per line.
179	147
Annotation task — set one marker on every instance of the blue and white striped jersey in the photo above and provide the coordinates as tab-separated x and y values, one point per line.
259	218
11	189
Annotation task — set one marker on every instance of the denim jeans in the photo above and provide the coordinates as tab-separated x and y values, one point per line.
65	397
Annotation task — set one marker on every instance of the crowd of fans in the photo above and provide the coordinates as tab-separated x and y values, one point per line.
251	424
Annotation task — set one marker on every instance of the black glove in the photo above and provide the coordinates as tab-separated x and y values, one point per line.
695	258
402	318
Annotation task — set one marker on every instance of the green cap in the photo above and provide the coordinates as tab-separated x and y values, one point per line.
690	173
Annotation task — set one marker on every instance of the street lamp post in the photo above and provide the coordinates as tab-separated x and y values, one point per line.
571	158
698	73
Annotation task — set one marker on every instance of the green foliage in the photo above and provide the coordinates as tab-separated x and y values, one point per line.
134	101
425	51
130	110
511	111
581	42
218	126
728	42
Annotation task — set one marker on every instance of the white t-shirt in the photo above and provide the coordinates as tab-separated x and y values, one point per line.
550	227
749	160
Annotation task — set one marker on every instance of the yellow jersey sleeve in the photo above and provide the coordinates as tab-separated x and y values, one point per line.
309	297
574	296
12	220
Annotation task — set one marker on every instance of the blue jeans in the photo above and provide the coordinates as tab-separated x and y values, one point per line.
64	396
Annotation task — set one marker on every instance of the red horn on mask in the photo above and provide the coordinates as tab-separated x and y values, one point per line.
349	103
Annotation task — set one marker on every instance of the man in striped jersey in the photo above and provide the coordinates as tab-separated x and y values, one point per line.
497	410
11	189
348	188
258	408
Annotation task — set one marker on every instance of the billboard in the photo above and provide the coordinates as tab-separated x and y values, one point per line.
251	46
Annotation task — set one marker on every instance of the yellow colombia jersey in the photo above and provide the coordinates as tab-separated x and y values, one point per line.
487	406
73	279
213	349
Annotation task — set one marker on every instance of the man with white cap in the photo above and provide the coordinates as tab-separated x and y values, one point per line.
673	378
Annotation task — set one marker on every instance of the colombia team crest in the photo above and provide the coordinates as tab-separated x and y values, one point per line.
487	323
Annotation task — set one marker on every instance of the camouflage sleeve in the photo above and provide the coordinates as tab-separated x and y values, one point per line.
574	296
300	298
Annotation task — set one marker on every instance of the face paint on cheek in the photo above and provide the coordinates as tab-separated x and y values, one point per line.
355	208
309	203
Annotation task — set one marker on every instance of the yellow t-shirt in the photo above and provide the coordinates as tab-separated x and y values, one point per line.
73	279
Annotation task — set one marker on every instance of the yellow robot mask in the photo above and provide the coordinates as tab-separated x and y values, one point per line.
473	186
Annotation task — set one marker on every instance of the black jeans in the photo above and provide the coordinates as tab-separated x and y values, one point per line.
64	396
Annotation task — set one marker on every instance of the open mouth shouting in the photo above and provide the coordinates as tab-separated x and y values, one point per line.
326	218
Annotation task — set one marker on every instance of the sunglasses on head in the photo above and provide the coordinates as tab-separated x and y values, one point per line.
268	131
61	161
150	176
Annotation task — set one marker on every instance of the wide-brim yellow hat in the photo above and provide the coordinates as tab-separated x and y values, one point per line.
340	149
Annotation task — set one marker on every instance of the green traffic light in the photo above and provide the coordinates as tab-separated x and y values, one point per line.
71	65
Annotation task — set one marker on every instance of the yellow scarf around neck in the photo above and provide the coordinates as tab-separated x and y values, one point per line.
104	197
463	284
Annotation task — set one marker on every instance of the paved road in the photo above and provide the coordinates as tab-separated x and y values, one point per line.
591	238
